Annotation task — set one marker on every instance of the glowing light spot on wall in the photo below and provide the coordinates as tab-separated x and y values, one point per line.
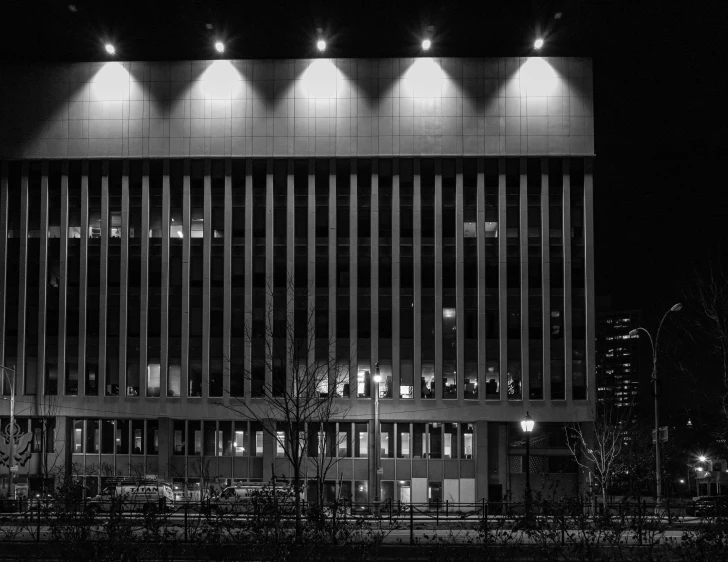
424	78
319	79
538	77
111	82
218	80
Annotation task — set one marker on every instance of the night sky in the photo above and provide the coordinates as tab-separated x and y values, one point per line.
660	94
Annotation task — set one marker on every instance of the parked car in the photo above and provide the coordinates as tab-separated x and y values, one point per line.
139	495
710	506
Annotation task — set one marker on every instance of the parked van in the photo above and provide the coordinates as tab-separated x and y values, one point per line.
133	495
242	498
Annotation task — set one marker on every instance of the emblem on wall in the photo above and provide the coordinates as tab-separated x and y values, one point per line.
22	445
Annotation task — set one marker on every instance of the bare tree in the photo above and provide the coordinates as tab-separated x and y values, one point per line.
597	445
709	299
51	454
295	381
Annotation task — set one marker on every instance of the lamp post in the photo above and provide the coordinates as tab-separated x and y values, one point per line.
377	380
527	424
655	346
11	429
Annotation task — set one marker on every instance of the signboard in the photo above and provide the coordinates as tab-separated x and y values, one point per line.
14	468
663	434
380	471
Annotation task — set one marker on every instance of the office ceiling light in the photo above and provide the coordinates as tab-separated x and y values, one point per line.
219	47
538	44
321	45
426	44
110	48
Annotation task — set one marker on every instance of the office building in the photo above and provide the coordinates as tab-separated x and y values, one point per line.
439	210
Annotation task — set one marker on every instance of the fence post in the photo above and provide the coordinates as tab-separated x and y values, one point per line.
412	524
186	506
437	512
37	529
485	521
639	522
447	508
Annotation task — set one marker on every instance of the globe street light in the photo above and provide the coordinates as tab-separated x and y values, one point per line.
527	424
655	347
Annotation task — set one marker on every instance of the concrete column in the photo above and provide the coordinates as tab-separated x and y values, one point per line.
42	280
546	278
227	283
480	234
164	328
144	299
374	270
268	267
459	281
248	269
83	282
502	280
124	285
103	280
64	282
22	281
3	256
206	259
396	285
186	228
439	387
353	282
523	252
590	299
482	475
417	260
568	355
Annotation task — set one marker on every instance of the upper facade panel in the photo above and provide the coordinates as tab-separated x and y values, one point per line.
304	107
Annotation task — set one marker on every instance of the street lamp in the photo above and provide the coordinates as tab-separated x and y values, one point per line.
11	429
377	380
655	346
527	424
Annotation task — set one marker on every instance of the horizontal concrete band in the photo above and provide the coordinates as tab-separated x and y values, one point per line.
304	107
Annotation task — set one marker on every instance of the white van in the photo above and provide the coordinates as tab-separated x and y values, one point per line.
140	495
241	498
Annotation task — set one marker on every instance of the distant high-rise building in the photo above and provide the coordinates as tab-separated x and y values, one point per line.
617	358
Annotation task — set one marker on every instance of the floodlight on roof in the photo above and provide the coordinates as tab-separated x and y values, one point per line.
110	48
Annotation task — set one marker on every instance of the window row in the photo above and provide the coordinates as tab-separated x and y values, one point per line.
435	440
